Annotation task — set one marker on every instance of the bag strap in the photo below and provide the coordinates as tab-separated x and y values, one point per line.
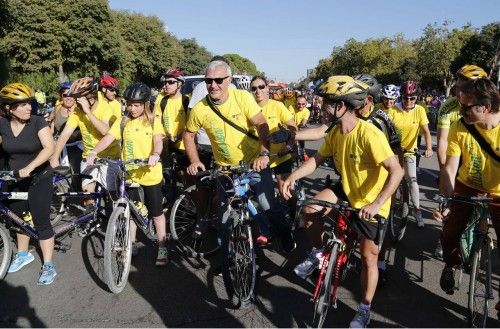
480	140
226	120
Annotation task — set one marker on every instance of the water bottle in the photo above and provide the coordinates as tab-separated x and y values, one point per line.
141	208
27	218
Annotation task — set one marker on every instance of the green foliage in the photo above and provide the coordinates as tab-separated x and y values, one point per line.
195	57
241	65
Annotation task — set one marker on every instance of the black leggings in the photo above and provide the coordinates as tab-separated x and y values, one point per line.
40	191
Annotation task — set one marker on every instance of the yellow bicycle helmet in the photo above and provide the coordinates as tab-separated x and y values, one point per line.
471	72
16	93
344	88
83	87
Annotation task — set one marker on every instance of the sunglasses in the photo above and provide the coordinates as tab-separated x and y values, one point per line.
410	98
466	108
169	82
65	95
113	90
218	81
261	87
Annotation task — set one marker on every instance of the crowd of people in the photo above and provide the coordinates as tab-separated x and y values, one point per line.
369	131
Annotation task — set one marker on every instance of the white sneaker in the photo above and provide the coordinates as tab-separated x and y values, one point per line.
361	319
419	219
312	261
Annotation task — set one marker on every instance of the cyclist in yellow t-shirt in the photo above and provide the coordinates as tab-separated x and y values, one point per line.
408	122
478	171
142	138
389	96
94	116
229	145
276	114
370	173
301	115
450	110
289	99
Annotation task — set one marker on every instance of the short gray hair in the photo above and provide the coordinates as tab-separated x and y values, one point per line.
213	64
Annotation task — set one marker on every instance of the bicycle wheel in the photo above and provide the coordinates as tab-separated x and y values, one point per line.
398	217
117	250
324	299
195	237
241	259
480	291
5	251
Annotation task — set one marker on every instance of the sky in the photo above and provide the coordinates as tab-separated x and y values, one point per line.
284	38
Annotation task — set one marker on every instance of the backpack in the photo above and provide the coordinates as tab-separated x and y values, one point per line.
185	103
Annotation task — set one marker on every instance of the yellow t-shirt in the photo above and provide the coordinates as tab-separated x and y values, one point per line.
290	103
478	170
448	113
276	113
358	156
408	125
229	145
90	135
138	144
174	119
301	115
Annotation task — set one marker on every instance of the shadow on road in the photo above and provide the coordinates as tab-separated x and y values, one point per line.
15	308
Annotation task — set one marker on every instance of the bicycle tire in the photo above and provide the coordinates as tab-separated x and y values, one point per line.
117	250
183	224
5	251
58	207
324	300
242	269
400	209
480	291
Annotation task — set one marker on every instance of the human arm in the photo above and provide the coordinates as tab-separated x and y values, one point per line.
101	126
428	140
192	153
100	146
447	183
305	169
259	121
61	142
47	141
442	143
396	174
311	134
157	149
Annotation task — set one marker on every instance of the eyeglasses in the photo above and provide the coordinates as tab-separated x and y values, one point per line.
410	98
466	108
170	82
65	95
261	87
218	81
113	90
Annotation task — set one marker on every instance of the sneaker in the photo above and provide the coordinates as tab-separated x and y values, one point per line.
312	261
162	258
47	275
419	219
447	281
135	248
20	261
438	253
361	319
287	242
261	240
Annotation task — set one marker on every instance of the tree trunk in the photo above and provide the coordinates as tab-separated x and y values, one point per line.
62	76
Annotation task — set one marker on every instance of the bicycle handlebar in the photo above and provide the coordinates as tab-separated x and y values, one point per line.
323	203
468	199
12	175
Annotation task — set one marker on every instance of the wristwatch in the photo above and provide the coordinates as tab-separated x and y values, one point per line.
265	154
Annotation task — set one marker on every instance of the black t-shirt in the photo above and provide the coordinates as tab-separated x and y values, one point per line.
24	148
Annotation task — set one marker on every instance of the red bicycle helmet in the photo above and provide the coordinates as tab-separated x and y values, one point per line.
108	81
175	73
410	88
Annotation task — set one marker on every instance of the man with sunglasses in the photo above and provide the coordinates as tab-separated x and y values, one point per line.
110	86
230	145
478	171
409	121
370	173
449	113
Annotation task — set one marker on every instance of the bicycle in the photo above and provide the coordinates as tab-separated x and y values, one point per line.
84	224
117	242
475	248
339	243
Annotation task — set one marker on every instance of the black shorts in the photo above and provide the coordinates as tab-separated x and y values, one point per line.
284	167
362	227
153	198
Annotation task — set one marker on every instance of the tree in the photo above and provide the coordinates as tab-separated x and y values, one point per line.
194	57
241	65
436	50
480	49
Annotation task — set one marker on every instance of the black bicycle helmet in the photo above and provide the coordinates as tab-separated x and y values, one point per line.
137	92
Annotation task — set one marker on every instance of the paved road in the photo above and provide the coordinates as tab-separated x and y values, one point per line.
186	293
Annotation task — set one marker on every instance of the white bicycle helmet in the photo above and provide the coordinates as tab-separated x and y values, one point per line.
390	91
242	82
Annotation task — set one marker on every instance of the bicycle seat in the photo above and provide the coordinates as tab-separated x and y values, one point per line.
62	170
